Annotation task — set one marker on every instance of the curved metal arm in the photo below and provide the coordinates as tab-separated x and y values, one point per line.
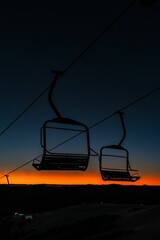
56	77
124	129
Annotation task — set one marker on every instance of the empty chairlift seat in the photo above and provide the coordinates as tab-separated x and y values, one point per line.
114	161
114	164
69	160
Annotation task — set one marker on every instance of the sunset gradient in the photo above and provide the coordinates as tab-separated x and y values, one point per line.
71	179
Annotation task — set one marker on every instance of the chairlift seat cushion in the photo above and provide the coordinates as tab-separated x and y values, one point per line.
118	176
63	162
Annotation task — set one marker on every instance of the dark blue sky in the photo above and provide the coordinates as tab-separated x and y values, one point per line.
121	67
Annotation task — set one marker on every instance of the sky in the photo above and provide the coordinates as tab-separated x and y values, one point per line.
122	66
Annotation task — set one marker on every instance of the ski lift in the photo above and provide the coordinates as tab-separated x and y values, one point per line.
113	155
63	160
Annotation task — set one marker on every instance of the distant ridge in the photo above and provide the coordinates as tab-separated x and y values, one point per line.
78	185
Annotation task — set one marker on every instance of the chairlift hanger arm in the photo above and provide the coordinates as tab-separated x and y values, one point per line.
123	126
56	78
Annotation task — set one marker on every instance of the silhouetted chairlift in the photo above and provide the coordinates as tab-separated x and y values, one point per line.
115	154
52	160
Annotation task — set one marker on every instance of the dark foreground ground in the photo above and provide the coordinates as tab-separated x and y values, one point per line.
80	212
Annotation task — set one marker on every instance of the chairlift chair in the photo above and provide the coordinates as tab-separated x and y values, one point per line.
118	153
54	160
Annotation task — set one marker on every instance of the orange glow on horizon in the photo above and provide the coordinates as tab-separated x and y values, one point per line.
52	178
69	178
